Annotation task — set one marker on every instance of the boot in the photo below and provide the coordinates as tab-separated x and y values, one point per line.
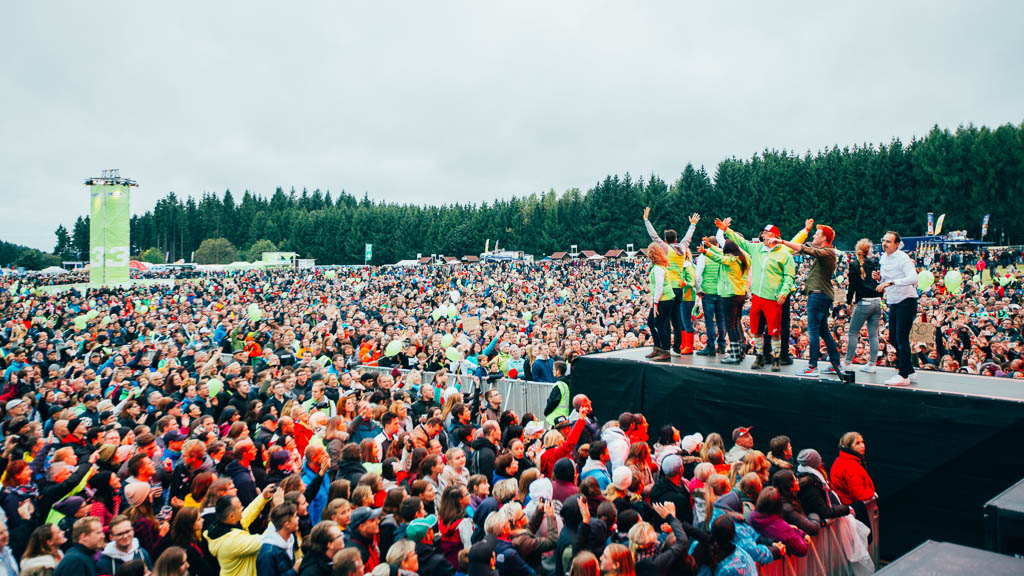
776	364
665	356
709	350
654	352
759	361
687	347
786	359
721	349
733	357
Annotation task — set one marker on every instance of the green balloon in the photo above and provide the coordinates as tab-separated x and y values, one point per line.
80	322
528	316
1004	280
106	320
255	314
215	386
393	348
436	313
925	280
446	340
331	274
953	279
453	312
92	314
452	354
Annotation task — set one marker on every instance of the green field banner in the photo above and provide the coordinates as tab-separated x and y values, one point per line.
109	234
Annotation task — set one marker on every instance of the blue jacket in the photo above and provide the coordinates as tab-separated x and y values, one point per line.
273	558
543	370
509	562
319	502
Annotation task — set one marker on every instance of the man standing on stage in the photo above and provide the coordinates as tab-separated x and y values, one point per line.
820	295
898	278
773	272
682	339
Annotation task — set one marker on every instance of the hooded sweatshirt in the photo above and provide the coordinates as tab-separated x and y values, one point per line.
276	556
112	557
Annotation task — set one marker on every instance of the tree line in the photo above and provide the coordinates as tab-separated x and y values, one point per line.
861	191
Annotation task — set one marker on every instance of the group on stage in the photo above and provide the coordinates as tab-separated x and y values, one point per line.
730	268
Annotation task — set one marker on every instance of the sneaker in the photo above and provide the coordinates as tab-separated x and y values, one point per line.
674	353
811	372
868	369
830	369
898	380
913	377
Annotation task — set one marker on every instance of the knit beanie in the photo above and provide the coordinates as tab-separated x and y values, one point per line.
136	493
622	477
565	471
809	457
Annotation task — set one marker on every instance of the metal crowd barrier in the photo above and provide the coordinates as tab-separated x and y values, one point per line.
519	396
825	556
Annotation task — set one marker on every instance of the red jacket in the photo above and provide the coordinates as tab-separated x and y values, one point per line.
563	450
850	480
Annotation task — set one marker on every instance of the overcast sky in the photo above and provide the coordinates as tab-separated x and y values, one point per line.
434	101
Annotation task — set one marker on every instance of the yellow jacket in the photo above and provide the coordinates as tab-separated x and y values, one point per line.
236	551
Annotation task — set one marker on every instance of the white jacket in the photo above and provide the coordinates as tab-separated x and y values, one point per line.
618	446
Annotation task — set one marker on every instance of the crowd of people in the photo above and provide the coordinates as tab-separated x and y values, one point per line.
224	423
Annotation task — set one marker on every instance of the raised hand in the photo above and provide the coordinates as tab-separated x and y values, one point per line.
647	212
809	223
694	218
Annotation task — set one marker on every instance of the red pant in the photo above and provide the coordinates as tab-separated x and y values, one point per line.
772	311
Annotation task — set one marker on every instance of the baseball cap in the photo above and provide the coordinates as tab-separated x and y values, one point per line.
561	422
692	441
740	432
174	436
364	513
90	397
533	427
418	528
15	403
773	229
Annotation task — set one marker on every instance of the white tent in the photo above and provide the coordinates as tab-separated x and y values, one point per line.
53	270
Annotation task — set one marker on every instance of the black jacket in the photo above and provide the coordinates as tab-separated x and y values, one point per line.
815	501
244	482
315	564
432	563
665	491
482	459
351	471
77	562
51	494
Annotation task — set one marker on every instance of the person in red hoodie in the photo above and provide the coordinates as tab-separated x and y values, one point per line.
850	479
564	449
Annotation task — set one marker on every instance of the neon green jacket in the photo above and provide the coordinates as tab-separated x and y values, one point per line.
772	269
731	279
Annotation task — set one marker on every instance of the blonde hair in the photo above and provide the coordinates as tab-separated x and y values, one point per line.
641	537
716	487
862	250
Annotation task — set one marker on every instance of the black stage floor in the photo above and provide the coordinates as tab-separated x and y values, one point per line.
937	450
928	381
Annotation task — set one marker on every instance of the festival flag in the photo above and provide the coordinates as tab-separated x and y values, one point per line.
931	223
984	225
938	224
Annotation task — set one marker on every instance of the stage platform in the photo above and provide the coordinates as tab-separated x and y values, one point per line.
927	381
937	450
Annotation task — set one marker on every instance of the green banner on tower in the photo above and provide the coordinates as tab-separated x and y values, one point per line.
109	234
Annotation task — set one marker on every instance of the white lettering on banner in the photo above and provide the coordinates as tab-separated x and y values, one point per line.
119	256
96	256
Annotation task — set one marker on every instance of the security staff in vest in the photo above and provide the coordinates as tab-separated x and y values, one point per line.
558	399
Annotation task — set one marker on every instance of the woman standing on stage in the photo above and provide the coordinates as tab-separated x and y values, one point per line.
732	288
662	301
865	304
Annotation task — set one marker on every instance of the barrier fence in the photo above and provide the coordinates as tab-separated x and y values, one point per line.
825	554
519	396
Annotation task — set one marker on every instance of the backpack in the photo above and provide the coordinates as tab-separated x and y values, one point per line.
474	463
